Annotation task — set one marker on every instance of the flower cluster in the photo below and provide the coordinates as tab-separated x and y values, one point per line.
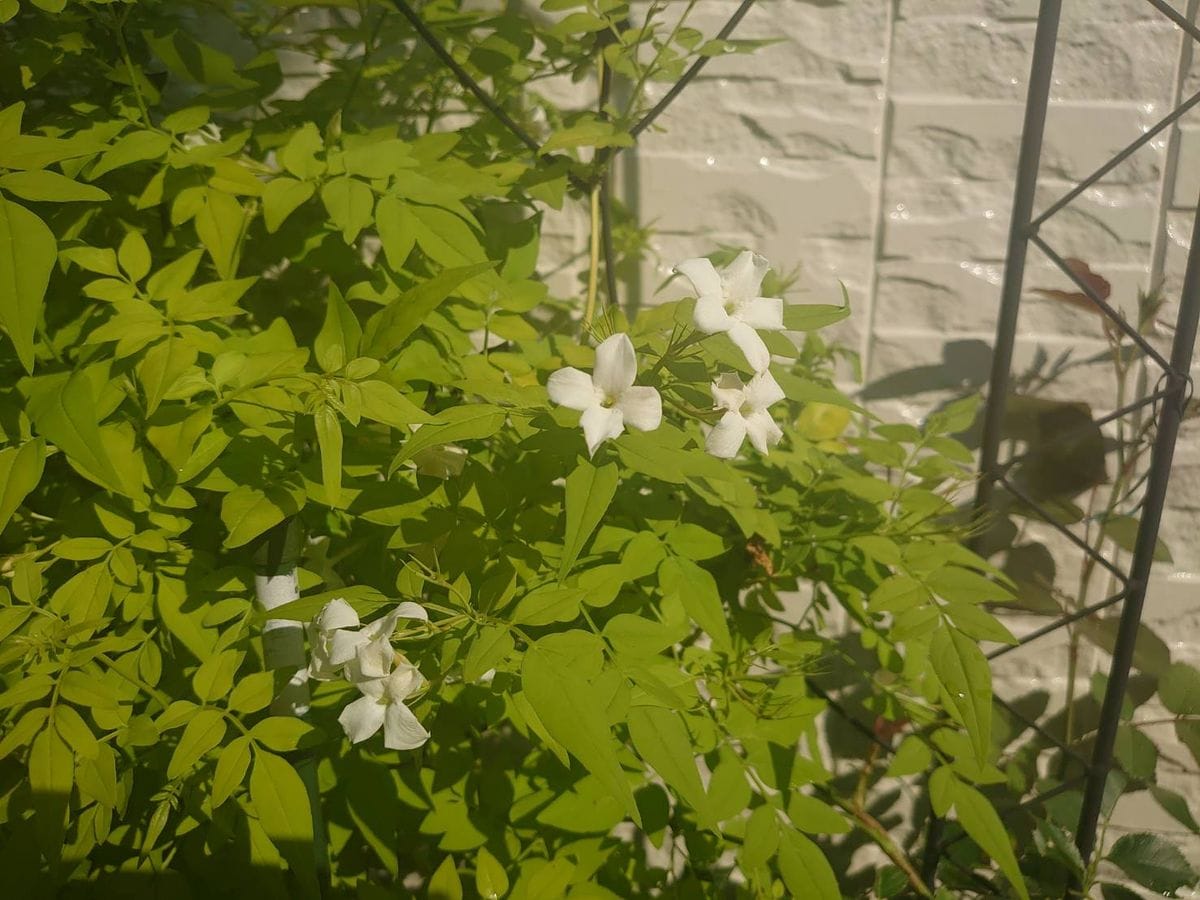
342	647
727	302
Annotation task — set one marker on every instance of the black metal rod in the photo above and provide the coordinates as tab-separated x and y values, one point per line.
1169	417
1060	788
1131	149
1036	103
1103	305
1166	9
694	70
1065	532
1059	623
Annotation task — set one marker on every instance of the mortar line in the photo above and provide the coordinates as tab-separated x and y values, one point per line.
883	147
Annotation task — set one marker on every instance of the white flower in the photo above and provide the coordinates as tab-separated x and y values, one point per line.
382	705
728	301
363	653
746	415
607	398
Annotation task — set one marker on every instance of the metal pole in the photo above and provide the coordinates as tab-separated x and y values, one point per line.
1143	549
1037	100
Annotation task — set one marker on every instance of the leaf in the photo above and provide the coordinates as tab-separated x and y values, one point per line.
247	512
214	679
397	229
445	883
49	187
329	439
282	804
392	325
1176	806
962	671
490	878
697	591
548	603
554	680
762	837
383	403
232	764
252	693
20	471
590	132
51	776
285	733
161	367
75	731
86	690
132	148
805	870
337	342
1123	530
491	645
812	316
662	741
981	822
349	203
1178	688
219	223
912	756
459	423
27	254
205	731
281	197
134	256
589	491
1152	862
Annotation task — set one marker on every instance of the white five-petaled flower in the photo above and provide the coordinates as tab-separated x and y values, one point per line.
728	301
608	398
382	705
340	646
746	414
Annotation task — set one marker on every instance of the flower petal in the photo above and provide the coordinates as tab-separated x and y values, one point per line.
405	681
709	314
343	646
410	610
320	668
600	424
373	660
616	365
729	392
743	277
725	438
704	278
362	718
641	408
401	730
337	613
747	339
763	390
571	388
762	431
762	312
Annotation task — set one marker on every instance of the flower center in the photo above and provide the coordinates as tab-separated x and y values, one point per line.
607	401
745	410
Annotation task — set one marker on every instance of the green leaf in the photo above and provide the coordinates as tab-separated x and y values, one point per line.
397	229
252	693
161	367
1152	862
390	327
554	677
75	731
912	756
49	187
459	423
805	870
445	883
1178	688
337	342
697	591
548	603
589	491
27	254
383	403
762	837
134	256
490	878
214	679
285	733
51	777
1176	806
1122	531
86	690
349	203
20	471
662	741
491	645
132	148
812	816
979	819
694	542
81	549
205	731
282	804
281	197
966	682
247	512
329	439
219	223
590	132
812	316
232	764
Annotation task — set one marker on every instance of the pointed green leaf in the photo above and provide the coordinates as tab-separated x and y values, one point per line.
979	819
337	342
282	804
63	409
20	471
697	591
231	769
329	439
281	197
962	671
397	229
390	327
349	203
804	868
27	254
459	423
49	187
445	883
662	740
589	491
247	512
202	733
490	878
51	777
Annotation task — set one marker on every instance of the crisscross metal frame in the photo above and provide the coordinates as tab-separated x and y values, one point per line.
1167	400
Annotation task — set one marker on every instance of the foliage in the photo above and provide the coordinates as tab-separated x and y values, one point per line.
251	317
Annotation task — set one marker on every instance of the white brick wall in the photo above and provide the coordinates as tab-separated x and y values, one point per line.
877	145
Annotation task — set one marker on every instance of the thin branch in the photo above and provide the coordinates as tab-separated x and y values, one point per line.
677	88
